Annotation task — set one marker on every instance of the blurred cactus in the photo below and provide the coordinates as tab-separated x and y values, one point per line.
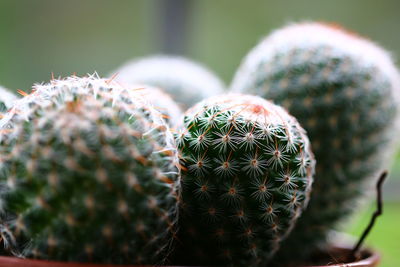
247	172
162	102
87	173
6	99
344	90
186	81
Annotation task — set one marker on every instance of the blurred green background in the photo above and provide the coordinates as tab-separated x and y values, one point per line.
82	36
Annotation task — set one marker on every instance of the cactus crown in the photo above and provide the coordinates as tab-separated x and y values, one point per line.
87	172
188	82
247	175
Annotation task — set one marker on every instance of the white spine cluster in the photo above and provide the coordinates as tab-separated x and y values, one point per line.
6	99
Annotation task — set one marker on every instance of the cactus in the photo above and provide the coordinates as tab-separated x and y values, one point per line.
344	90
247	172
87	173
6	99
186	81
163	102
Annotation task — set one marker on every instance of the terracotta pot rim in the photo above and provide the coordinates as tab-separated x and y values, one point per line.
8	261
371	259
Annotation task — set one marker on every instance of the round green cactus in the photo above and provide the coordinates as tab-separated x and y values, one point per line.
6	99
186	81
344	90
247	172
87	173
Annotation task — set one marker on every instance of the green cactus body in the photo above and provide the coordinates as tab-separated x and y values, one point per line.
344	90
247	172
186	81
6	99
87	173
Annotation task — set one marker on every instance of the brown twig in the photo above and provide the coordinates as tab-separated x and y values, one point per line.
376	214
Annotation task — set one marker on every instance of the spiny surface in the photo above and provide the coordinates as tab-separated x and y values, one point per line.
87	173
186	81
344	90
163	102
247	172
6	99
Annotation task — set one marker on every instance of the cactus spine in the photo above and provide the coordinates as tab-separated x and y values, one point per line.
344	90
6	99
247	172
186	81
87	171
163	102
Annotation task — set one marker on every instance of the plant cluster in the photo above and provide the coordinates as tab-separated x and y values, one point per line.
112	171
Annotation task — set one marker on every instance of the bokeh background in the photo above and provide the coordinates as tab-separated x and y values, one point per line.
40	37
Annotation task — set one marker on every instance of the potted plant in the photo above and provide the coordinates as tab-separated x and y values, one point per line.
250	106
92	174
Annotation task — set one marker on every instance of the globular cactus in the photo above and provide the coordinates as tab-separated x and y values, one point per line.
344	90
247	174
163	102
186	81
6	99
87	173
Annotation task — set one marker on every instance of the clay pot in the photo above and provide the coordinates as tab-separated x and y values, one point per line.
368	259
